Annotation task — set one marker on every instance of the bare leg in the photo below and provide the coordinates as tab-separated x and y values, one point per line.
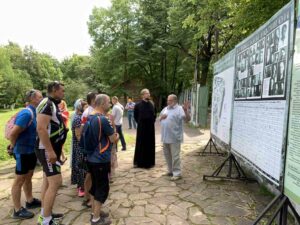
96	209
44	188
54	182
27	186
16	190
92	201
87	186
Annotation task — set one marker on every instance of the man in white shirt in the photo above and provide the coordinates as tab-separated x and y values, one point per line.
117	113
171	119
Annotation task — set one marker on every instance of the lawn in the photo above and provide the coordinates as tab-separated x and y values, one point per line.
5	115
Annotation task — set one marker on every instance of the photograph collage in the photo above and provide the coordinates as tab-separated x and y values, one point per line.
249	71
275	62
261	68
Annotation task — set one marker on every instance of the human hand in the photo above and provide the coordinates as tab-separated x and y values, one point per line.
10	149
52	158
163	116
117	137
186	105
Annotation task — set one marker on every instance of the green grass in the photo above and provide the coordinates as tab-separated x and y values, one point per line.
5	115
264	191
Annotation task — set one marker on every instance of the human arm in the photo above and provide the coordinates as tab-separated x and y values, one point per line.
13	137
185	108
109	130
163	115
114	137
77	127
23	120
43	121
78	133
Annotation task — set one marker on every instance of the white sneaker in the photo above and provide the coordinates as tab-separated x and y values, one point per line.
174	178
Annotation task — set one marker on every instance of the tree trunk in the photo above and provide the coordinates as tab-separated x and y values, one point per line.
196	70
174	72
204	70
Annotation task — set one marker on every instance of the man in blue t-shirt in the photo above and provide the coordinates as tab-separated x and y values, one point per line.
22	143
99	160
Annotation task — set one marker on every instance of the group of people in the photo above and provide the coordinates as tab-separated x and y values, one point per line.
39	133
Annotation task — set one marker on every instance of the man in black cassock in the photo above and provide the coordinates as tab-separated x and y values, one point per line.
144	115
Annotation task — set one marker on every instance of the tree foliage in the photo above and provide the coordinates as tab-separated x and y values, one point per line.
164	45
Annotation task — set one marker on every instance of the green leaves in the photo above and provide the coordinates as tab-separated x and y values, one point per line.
159	44
13	82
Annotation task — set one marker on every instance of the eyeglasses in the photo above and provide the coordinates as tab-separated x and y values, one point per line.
30	93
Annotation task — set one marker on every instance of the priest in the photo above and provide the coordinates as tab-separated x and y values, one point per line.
144	115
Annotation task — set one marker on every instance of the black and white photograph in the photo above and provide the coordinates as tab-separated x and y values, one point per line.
275	62
283	39
249	72
268	71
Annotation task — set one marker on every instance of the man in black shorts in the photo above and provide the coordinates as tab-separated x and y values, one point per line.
102	137
51	137
22	142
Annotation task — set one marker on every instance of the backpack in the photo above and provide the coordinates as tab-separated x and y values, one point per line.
87	143
11	122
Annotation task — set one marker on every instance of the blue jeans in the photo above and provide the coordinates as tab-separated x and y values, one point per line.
121	136
131	119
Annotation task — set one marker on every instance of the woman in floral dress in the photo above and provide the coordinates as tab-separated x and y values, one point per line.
78	171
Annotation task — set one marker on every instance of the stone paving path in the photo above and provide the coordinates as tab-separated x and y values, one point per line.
146	197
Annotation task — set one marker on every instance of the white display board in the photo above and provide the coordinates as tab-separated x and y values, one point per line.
257	135
260	106
222	97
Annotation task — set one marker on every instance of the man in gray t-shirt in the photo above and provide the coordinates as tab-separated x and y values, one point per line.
117	113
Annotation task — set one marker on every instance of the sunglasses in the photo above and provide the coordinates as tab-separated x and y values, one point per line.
30	93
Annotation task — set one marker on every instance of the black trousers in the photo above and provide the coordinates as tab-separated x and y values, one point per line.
121	136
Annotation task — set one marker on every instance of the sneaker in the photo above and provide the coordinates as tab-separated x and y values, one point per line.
55	216
34	204
54	222
101	221
123	149
80	192
174	178
104	214
22	214
40	220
